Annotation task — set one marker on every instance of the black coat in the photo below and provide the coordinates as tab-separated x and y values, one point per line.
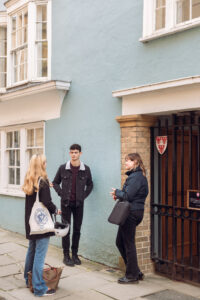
45	198
62	183
135	189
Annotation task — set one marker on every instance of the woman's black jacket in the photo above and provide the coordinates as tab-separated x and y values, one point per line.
45	198
135	189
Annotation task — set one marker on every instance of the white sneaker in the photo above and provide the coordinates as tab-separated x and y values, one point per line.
49	292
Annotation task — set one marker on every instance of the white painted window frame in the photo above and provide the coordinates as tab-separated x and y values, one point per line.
2	89
49	8
7	154
149	32
3	23
5	188
32	55
17	48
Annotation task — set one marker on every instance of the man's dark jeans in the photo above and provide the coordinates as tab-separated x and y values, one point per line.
77	213
125	242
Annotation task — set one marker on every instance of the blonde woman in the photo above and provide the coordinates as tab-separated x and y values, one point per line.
38	243
135	191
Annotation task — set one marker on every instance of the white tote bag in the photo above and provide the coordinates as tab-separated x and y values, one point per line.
40	219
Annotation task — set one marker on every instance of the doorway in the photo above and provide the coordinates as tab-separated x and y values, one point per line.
175	229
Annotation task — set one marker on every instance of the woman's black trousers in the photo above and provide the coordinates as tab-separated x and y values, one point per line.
125	242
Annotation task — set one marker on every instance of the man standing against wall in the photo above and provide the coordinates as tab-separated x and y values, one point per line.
73	183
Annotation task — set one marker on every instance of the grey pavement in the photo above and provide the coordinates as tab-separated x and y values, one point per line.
89	281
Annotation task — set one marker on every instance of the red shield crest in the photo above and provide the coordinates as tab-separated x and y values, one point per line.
161	144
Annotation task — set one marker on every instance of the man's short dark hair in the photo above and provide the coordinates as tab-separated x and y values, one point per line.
75	147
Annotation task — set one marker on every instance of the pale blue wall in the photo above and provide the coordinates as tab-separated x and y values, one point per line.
102	38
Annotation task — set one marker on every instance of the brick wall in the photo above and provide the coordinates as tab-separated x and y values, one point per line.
135	137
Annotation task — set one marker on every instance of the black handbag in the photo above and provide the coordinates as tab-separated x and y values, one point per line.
119	213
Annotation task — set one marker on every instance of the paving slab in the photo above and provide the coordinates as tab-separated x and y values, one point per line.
10	270
25	294
178	286
169	295
5	259
11	282
11	247
22	294
19	254
68	271
5	296
90	295
81	282
128	292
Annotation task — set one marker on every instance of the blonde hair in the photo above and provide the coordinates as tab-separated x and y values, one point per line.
137	157
36	169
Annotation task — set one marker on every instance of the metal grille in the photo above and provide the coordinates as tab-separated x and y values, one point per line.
175	229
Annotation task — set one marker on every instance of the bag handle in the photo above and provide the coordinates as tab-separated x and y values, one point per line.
37	194
56	273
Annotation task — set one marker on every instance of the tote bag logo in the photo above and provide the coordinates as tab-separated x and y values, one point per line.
41	217
161	144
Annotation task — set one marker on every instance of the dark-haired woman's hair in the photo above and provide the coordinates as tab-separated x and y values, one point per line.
137	157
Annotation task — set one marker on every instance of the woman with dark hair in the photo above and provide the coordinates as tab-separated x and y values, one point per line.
135	191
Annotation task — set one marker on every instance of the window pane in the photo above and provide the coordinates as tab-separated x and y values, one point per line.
160	18
25	18
17	157
3	48
13	40
2	65
42	68
11	176
41	31
39	137
30	137
18	176
160	3
42	50
2	80
195	8
14	23
19	37
183	11
16	139
20	21
2	33
11	155
9	140
22	68
42	65
25	25
13	32
3	54
41	13
25	34
31	152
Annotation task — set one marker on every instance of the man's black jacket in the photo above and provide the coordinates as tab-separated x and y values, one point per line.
62	183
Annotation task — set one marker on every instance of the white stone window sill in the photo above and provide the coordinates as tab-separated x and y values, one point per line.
12	192
165	32
20	83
